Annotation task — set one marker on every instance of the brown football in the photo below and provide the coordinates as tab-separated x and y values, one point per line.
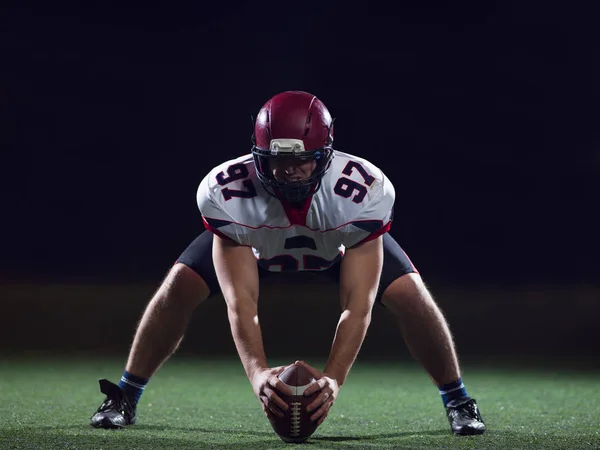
295	426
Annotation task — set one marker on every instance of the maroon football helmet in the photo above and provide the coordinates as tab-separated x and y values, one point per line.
293	124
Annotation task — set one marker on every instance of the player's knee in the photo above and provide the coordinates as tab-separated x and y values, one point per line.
182	287
405	290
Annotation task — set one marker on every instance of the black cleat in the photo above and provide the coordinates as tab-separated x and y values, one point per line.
117	410
464	417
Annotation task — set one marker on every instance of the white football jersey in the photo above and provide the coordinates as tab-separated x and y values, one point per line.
354	204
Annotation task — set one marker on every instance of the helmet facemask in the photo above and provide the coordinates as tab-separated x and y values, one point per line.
292	191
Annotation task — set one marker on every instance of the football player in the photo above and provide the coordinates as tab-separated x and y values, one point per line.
294	204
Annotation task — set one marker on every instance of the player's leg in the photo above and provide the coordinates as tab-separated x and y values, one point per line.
427	335
164	322
162	326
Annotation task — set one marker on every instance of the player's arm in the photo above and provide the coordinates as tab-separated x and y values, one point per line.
359	276
237	272
359	280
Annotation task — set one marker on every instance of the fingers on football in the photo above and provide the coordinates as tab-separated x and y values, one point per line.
280	386
270	406
264	402
321	413
271	412
277	370
320	400
275	412
315	386
275	400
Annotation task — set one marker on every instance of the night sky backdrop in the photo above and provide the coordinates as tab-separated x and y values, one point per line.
485	117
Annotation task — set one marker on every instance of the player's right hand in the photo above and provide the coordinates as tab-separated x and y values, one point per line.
268	388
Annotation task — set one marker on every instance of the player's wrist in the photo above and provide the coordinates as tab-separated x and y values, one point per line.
254	368
335	378
336	372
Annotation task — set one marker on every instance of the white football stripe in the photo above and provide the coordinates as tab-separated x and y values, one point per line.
297	390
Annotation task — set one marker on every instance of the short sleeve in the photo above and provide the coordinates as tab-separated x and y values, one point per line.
376	218
215	218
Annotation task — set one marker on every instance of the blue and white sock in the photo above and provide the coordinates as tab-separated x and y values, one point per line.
133	386
452	391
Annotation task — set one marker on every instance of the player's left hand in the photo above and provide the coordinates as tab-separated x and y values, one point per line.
329	388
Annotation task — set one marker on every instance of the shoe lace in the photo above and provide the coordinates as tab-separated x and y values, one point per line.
108	404
113	403
467	410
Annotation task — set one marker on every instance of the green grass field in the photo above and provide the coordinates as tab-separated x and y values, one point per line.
194	404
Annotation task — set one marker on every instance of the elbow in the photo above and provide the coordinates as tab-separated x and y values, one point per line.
359	315
358	306
241	302
242	311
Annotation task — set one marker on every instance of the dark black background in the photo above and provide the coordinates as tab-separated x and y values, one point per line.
483	115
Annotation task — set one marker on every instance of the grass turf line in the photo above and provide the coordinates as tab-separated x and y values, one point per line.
192	404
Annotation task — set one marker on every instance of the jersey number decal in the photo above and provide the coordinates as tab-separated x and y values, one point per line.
236	172
288	263
345	187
